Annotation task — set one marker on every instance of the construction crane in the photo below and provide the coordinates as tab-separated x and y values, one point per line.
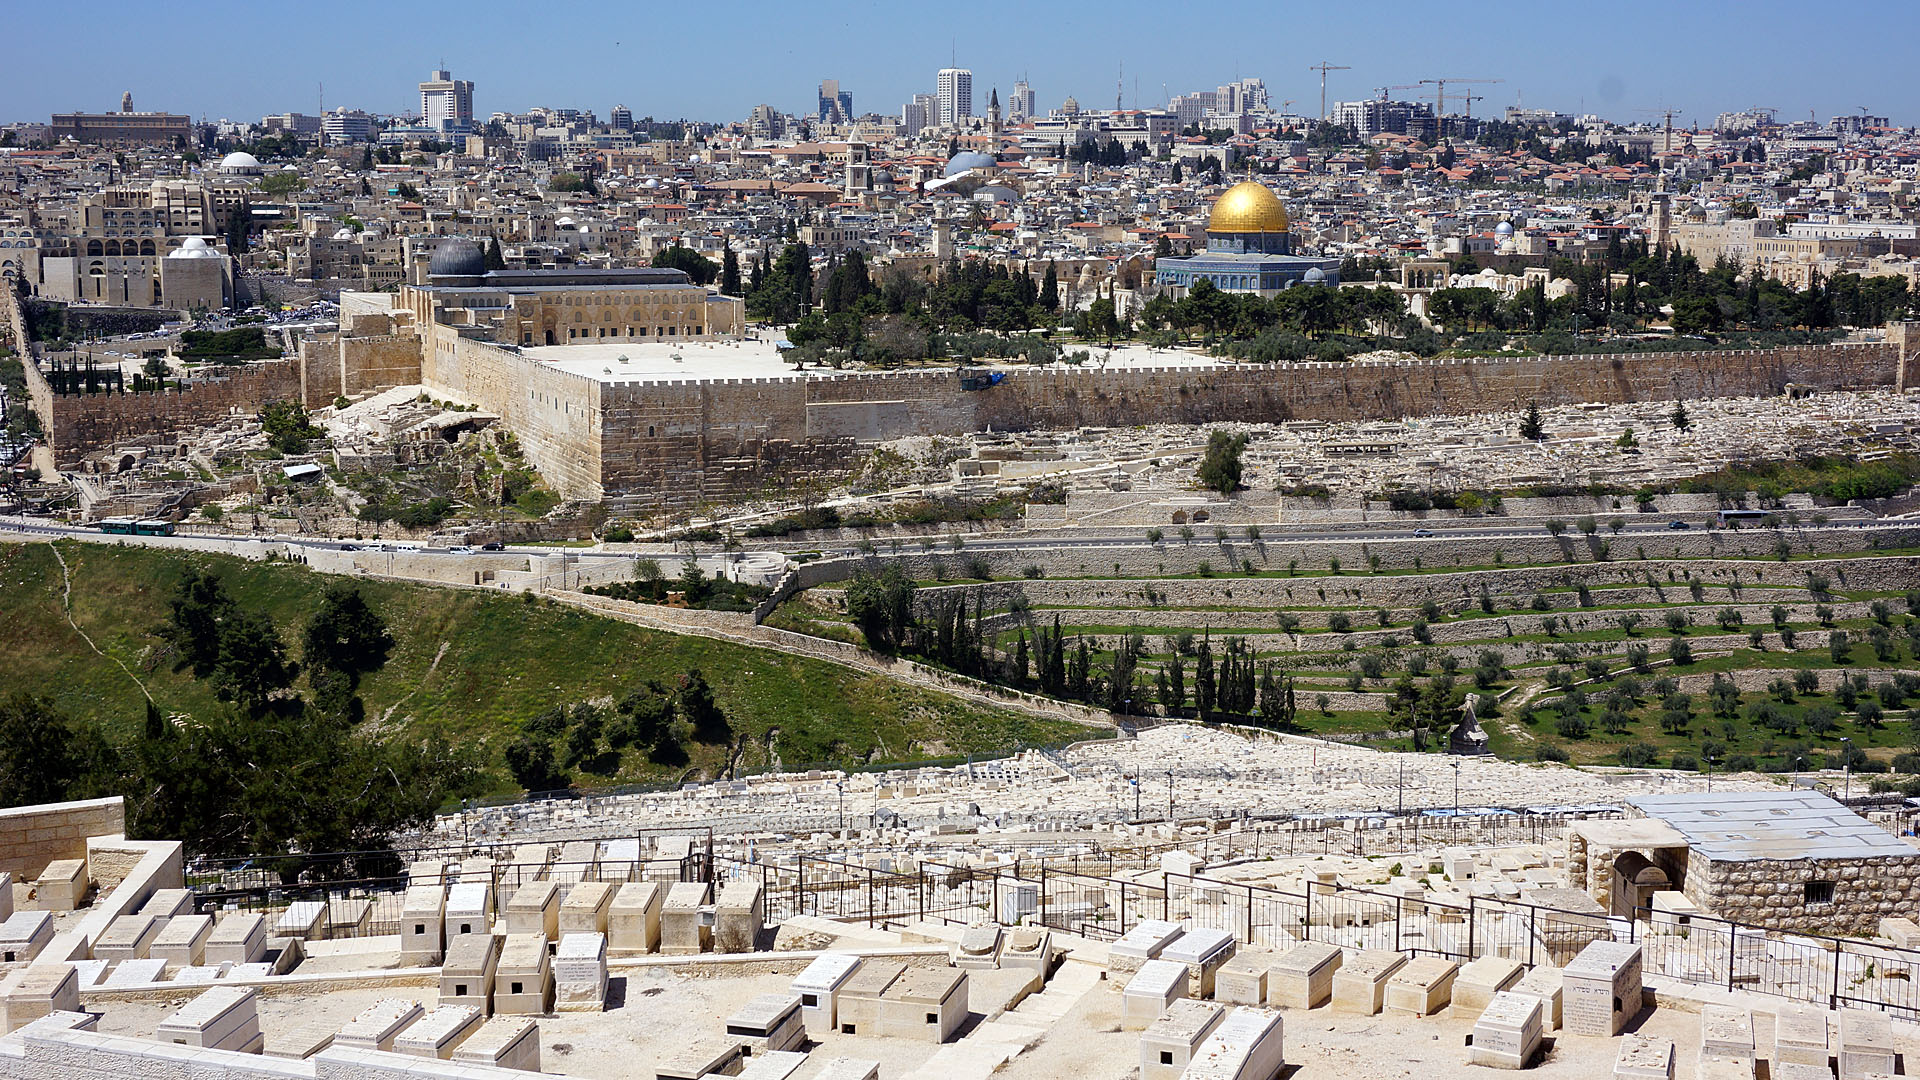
1287	104
1323	67
1441	105
1472	97
1383	90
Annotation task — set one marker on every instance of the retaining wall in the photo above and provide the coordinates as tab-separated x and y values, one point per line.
33	836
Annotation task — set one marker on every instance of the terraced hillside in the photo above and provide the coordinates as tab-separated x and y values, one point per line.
1722	663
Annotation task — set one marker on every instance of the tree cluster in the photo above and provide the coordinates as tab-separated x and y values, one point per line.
274	770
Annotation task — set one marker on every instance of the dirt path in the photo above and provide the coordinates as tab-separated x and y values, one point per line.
66	609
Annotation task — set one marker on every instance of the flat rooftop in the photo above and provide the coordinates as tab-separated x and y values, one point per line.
1744	826
705	361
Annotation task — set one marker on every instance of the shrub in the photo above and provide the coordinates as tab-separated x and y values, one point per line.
1638	755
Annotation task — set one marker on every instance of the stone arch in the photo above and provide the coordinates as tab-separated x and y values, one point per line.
94	247
1179	517
146	247
1200	516
1634	880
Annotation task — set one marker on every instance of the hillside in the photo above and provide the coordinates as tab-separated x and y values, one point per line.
470	664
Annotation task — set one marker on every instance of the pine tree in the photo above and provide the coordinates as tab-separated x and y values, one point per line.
1203	680
729	273
1532	428
1176	173
1050	291
1681	421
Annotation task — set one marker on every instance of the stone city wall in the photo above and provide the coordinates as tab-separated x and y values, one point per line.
78	424
554	415
660	438
33	836
335	365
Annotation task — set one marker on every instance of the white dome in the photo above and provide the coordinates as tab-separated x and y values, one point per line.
344	234
238	160
195	247
968	160
1314	275
1505	228
289	168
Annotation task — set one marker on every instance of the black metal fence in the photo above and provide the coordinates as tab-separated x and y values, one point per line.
1083	895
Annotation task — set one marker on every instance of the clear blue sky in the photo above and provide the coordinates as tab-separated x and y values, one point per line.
717	60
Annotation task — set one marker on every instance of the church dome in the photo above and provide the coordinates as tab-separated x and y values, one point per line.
1248	207
458	258
240	161
967	161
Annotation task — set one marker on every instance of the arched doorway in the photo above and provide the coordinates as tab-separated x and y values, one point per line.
1635	879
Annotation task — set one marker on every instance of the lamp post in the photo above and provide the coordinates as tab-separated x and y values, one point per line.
842	786
1135	779
1456	789
1846	767
1710	763
1169	796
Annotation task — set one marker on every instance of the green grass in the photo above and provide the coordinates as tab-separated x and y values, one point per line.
470	664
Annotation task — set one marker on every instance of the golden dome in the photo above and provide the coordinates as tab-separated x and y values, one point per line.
1248	207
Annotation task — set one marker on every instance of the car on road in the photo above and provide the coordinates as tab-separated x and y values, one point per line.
1423	532
1678	524
349	547
459	549
493	545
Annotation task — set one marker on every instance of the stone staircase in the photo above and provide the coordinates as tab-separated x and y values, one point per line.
1005	1037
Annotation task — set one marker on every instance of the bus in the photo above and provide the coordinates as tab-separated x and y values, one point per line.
153	527
1736	518
121	525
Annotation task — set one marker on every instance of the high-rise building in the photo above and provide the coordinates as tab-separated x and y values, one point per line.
919	113
347	125
1020	104
955	93
446	102
836	105
621	119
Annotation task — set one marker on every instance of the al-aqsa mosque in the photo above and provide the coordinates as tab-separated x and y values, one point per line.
1249	249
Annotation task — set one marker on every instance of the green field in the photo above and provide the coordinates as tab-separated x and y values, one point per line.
469	664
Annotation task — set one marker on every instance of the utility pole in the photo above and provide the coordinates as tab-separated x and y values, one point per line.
1323	67
1169	796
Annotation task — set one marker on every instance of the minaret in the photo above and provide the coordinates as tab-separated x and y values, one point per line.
993	119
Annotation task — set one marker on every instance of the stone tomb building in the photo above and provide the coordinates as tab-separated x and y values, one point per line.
1784	860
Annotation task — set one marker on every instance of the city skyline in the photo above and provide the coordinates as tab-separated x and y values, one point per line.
1641	57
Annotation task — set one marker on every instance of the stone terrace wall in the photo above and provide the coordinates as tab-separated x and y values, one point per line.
33	836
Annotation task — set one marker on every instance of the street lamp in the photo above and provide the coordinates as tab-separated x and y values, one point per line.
1846	766
1169	796
1456	789
1710	763
842	786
